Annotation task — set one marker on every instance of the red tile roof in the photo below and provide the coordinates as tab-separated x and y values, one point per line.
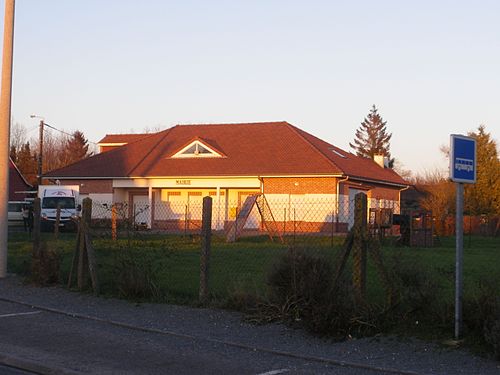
122	138
17	183
250	149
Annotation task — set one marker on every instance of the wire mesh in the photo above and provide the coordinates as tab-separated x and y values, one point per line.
171	231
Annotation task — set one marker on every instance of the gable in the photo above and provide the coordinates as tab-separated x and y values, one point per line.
197	149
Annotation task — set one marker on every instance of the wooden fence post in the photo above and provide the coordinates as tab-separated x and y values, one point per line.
84	256
58	221
113	222
36	228
359	246
82	251
206	234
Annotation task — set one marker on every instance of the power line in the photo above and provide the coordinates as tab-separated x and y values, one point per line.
63	132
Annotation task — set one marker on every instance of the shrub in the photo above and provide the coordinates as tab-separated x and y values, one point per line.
415	292
136	274
301	291
482	314
45	269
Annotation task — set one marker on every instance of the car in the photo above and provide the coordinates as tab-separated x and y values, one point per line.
15	214
15	211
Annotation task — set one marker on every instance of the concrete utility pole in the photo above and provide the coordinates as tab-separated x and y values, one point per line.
40	150
5	106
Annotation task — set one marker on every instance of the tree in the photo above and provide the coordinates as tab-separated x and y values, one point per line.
439	197
13	153
372	138
77	148
483	197
18	136
26	162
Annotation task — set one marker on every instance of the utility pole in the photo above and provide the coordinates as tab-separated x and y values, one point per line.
5	108
40	148
40	154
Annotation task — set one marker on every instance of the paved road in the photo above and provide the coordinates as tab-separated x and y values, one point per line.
6	370
52	330
79	345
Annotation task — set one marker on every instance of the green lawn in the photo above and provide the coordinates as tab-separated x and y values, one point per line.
244	264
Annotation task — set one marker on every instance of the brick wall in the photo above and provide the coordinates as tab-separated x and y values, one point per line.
384	193
303	185
91	186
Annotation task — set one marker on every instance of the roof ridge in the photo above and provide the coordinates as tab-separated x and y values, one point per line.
296	130
166	131
235	123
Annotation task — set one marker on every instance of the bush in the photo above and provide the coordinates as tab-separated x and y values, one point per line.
415	292
482	314
45	269
136	274
301	292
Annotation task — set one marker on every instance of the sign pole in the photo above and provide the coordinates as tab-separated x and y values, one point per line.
459	233
463	170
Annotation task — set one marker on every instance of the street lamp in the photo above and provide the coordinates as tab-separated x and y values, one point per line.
40	148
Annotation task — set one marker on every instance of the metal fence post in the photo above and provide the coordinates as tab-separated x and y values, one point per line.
206	234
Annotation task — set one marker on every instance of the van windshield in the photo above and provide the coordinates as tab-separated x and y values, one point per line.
63	202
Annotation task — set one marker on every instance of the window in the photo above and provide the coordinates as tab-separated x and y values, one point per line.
338	153
197	149
63	202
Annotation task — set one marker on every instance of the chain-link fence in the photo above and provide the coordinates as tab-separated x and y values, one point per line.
248	238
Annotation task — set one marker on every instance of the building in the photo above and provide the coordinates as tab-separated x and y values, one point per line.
167	174
18	186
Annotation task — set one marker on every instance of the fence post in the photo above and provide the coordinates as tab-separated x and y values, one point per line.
83	256
113	221
185	220
36	227
333	228
206	234
284	221
359	246
58	221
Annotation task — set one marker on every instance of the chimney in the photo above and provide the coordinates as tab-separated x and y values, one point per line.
380	159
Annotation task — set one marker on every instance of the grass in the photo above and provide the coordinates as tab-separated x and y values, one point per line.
245	263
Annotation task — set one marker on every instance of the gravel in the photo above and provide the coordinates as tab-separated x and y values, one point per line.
218	325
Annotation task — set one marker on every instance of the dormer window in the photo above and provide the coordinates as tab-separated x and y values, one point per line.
197	149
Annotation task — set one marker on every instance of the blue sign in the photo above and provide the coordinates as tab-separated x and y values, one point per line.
462	159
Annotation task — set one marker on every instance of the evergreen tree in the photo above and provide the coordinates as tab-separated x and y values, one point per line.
27	162
372	138
483	197
77	148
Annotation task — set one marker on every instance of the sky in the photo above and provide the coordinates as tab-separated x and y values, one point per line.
432	68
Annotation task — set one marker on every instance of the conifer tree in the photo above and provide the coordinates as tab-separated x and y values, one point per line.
372	137
26	162
483	197
77	148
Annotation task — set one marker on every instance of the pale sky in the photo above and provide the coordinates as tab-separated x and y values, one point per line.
117	66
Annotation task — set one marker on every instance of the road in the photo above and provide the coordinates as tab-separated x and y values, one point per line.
77	345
